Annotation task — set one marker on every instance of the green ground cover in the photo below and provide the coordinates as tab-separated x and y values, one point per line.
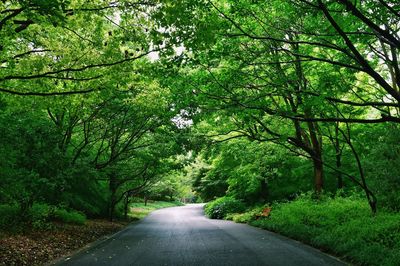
139	210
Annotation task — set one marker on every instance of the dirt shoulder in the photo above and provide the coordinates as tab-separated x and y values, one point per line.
41	247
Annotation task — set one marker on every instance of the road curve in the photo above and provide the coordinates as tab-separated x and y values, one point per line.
183	236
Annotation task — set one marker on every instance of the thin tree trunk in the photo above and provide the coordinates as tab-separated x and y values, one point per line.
318	174
112	208
126	205
263	190
340	184
338	157
113	190
372	201
316	142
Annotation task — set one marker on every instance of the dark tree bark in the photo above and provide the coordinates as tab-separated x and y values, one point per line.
338	156
113	186
126	205
263	190
318	174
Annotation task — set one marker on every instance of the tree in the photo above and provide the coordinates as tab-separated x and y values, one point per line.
267	76
36	60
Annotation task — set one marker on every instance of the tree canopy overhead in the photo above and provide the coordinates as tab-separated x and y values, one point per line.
263	99
69	47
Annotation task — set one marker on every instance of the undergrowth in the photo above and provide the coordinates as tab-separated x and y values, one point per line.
39	216
221	207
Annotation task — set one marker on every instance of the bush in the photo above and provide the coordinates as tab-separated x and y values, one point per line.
247	216
221	207
39	215
13	219
9	217
70	217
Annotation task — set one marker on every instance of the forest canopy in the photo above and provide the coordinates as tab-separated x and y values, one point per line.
261	101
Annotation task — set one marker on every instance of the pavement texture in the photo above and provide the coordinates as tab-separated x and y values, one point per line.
183	236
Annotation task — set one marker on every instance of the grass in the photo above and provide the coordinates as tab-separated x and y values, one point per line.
139	210
341	226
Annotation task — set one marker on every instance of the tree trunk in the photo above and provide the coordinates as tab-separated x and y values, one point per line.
112	208
372	201
339	174
126	206
316	143
113	190
25	204
338	157
318	175
263	190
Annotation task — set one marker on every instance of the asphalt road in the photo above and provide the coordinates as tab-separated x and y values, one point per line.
183	236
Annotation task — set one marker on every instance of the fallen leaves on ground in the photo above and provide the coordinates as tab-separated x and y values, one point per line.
40	247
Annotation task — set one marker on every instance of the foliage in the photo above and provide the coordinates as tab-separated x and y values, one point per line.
8	215
31	163
221	207
85	194
379	158
249	171
206	183
250	214
298	74
264	100
40	216
69	217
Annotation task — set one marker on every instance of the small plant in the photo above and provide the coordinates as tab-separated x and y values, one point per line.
70	217
221	207
39	216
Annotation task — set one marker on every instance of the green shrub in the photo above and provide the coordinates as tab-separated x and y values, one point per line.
39	214
221	207
71	217
247	216
9	217
36	217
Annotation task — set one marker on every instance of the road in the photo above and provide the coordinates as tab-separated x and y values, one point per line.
183	236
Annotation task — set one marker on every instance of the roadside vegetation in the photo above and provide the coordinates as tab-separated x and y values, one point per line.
140	210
